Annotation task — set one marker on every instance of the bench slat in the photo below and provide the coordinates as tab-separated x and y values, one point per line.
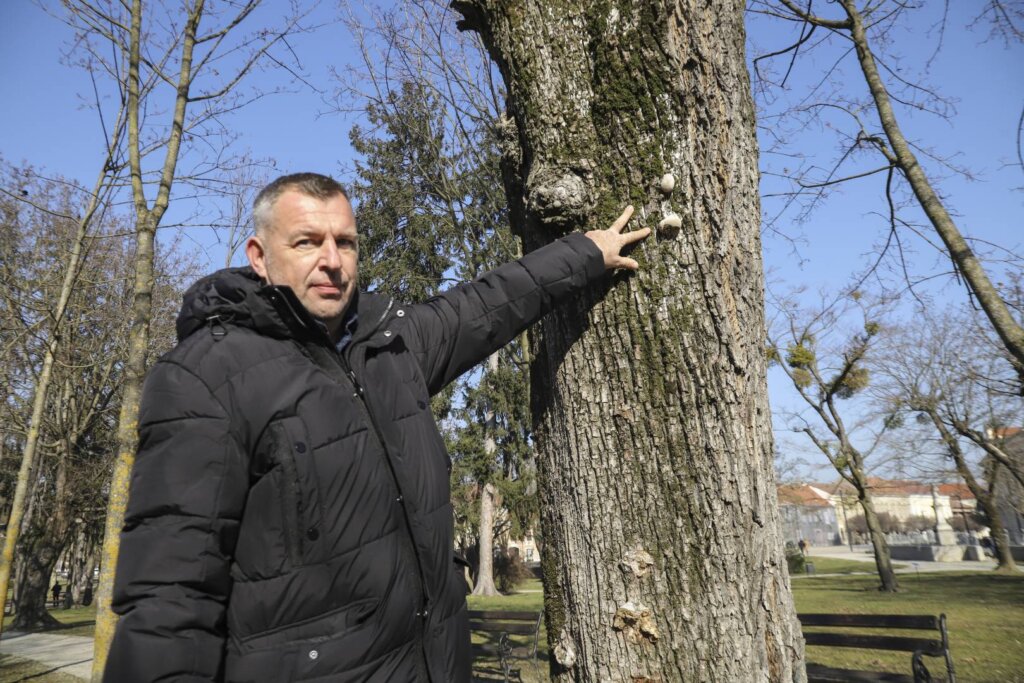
920	621
503	627
928	647
504	615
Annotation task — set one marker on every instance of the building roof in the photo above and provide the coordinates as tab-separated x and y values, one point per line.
897	487
958	490
801	494
1002	432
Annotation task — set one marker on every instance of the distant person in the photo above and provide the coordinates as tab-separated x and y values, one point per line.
55	591
87	595
803	546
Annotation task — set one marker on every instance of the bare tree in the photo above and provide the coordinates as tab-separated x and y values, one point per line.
862	30
824	372
946	372
50	323
74	432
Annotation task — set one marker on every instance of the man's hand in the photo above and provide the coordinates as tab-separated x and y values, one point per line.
612	241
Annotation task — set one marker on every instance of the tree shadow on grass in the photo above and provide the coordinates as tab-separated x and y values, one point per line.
56	669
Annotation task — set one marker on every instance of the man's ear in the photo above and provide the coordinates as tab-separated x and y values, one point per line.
257	256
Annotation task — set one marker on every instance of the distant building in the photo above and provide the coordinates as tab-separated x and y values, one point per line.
818	511
808	514
526	547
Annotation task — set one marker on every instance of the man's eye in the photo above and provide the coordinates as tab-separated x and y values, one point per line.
345	244
304	243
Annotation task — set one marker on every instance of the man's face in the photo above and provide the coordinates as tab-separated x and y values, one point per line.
310	246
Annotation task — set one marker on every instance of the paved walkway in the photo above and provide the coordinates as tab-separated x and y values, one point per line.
67	654
863	553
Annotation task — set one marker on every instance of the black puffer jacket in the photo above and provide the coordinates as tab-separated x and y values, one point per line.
289	515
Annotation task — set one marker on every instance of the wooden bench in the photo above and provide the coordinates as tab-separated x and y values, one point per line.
500	627
935	646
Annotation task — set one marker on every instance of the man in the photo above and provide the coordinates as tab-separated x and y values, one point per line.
289	516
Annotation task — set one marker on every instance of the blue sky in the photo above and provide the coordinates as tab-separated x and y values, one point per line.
45	123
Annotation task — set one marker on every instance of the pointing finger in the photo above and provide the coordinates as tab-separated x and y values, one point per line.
635	236
621	221
628	264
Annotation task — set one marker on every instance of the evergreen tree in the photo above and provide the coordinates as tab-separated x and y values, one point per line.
430	214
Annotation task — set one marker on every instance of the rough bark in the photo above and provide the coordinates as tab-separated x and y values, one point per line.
39	552
663	557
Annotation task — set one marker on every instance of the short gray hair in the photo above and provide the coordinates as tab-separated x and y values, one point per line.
310	184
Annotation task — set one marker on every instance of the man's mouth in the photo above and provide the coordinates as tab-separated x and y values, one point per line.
327	288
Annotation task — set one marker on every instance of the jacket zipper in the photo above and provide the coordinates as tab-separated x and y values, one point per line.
327	345
361	400
292	503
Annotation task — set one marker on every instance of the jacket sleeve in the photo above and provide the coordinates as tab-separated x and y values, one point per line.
458	329
188	489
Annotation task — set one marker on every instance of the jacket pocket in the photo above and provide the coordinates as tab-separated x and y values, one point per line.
333	624
300	490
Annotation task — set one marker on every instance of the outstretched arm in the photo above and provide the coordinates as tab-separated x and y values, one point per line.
456	330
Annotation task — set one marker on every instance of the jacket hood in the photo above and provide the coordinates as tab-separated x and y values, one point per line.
238	296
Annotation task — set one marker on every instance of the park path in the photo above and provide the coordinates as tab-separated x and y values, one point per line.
68	654
863	553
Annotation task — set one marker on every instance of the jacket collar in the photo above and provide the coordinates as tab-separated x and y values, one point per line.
238	296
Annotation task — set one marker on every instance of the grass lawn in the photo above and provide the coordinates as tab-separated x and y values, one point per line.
17	669
984	612
77	621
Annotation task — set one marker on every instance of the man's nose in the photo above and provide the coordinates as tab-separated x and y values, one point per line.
330	257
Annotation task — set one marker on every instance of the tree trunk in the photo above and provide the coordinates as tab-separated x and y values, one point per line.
146	222
663	554
127	439
883	559
485	575
38	553
1004	557
83	562
1001	540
